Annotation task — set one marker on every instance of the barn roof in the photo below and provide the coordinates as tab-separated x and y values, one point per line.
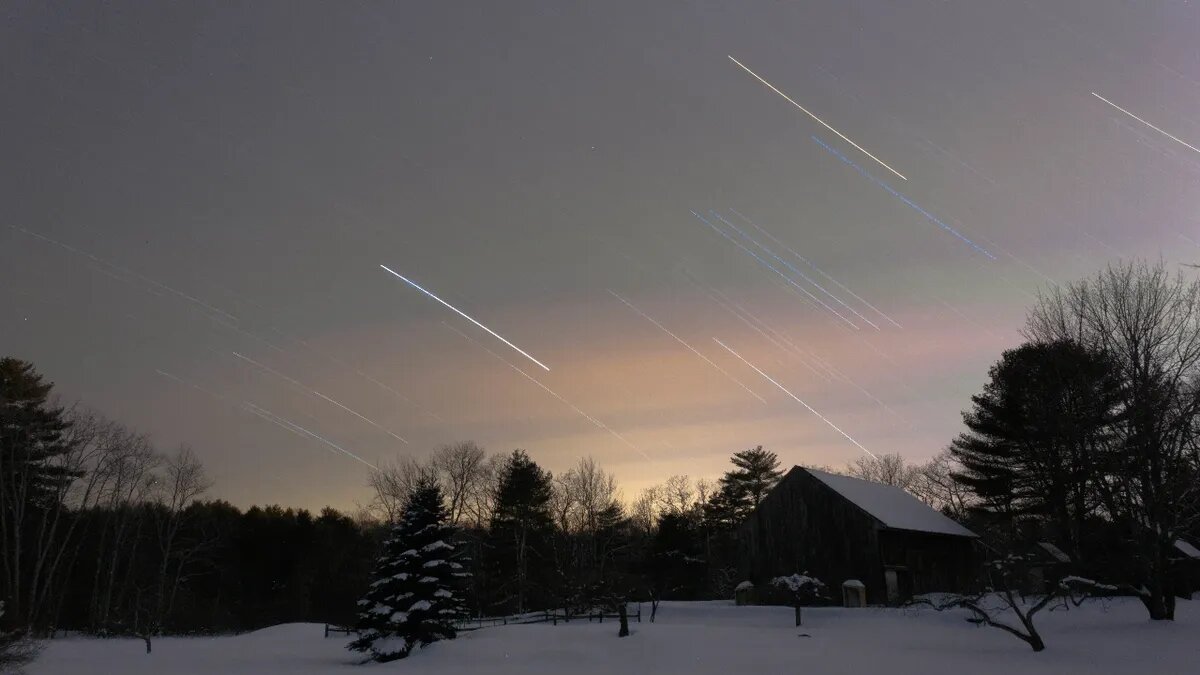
891	505
1187	549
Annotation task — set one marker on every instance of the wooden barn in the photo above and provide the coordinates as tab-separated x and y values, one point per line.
838	528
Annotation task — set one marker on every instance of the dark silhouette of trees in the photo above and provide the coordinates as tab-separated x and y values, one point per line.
1147	322
520	536
35	473
1037	440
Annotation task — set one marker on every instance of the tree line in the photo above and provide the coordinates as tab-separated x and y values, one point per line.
102	532
1084	436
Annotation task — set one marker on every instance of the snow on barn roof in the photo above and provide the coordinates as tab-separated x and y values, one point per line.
891	505
1187	549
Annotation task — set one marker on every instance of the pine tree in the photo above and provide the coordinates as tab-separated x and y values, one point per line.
742	488
33	476
415	598
1036	439
520	532
757	471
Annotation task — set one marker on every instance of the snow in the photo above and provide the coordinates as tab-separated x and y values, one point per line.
420	605
797	582
853	583
1187	549
697	638
437	546
1054	552
1067	582
744	586
891	505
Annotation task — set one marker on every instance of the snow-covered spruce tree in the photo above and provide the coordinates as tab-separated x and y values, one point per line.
415	597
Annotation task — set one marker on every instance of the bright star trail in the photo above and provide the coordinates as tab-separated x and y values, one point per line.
795	398
1161	131
550	391
818	119
463	315
540	202
314	392
908	202
688	346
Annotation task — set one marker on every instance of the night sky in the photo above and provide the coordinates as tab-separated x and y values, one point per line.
197	199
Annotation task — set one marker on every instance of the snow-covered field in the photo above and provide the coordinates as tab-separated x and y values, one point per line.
694	638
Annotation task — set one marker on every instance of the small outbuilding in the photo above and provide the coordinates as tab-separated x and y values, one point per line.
1185	561
840	528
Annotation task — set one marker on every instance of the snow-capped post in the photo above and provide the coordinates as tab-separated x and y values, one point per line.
413	600
803	589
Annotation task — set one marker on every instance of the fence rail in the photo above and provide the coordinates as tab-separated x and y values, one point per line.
547	616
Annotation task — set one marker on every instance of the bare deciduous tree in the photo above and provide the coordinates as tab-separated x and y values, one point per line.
935	485
1004	598
677	495
462	472
391	484
1147	321
890	469
644	510
182	482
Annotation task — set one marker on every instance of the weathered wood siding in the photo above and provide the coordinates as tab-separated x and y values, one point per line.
804	526
929	562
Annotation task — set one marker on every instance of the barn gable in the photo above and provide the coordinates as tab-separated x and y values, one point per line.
891	506
838	528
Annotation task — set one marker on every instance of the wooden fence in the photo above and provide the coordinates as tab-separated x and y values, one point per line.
547	616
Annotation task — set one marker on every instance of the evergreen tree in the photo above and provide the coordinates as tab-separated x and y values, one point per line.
414	599
521	528
1036	439
676	564
755	472
33	476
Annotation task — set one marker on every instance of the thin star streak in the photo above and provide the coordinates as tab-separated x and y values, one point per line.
797	399
818	269
550	391
689	347
318	394
771	267
269	416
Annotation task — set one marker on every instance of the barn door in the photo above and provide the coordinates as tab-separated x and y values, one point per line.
892	582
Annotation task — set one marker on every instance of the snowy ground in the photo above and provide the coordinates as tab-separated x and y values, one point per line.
694	638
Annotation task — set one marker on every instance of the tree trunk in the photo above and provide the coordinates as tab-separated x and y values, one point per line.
624	617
